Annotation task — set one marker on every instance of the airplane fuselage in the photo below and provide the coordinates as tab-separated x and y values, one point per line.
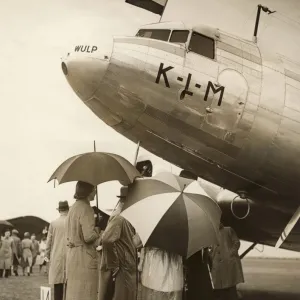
229	114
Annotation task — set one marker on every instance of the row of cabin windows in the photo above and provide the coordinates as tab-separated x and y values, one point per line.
199	43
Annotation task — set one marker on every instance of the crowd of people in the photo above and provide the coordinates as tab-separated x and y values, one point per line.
25	253
93	258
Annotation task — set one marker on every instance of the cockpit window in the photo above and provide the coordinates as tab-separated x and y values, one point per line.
157	34
179	36
202	45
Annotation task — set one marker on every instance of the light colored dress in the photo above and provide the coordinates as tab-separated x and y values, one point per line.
161	275
41	257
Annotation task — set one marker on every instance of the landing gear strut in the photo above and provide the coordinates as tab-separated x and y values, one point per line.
248	250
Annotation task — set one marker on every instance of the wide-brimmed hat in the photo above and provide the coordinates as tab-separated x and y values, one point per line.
15	231
123	192
83	190
63	205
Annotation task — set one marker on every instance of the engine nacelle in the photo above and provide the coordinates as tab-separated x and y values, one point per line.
238	204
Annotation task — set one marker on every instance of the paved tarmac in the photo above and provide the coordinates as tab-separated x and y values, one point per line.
266	279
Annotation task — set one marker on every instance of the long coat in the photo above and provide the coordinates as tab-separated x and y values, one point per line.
82	239
119	251
6	253
226	265
56	250
17	250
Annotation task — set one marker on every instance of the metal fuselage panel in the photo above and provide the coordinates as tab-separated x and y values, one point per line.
233	121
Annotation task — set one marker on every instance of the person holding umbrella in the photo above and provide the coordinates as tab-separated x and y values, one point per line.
82	240
181	212
119	257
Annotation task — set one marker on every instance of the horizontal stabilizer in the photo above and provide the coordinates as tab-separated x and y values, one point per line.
155	6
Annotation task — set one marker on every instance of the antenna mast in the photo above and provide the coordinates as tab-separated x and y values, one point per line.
264	9
97	200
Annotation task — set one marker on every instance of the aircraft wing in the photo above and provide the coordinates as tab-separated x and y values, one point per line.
155	6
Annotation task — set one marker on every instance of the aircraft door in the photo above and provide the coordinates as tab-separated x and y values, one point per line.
226	103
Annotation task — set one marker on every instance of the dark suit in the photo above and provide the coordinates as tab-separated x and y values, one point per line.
198	278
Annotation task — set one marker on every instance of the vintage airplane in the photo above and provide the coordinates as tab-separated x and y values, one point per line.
213	104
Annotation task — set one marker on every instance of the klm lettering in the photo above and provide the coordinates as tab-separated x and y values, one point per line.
162	72
87	49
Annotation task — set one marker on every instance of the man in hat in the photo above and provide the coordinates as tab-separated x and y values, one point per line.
17	251
82	239
56	251
119	257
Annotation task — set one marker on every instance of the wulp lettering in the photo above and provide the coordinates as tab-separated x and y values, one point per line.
87	49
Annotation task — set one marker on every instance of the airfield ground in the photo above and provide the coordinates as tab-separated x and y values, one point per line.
266	279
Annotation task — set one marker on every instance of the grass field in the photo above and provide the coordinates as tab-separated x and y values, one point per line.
23	287
266	279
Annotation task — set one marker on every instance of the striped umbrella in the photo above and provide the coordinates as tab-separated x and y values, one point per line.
172	213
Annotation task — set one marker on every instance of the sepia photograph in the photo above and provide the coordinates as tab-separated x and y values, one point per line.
150	150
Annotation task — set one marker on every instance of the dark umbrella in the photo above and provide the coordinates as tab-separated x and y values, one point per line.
4	225
96	168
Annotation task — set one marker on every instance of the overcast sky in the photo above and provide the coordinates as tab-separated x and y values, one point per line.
42	120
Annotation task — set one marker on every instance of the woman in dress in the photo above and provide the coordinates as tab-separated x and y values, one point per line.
161	275
27	248
6	254
41	258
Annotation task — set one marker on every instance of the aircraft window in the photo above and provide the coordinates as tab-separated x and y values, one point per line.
157	34
179	36
202	45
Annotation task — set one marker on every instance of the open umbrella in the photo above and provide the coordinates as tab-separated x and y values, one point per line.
4	225
172	213
96	168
